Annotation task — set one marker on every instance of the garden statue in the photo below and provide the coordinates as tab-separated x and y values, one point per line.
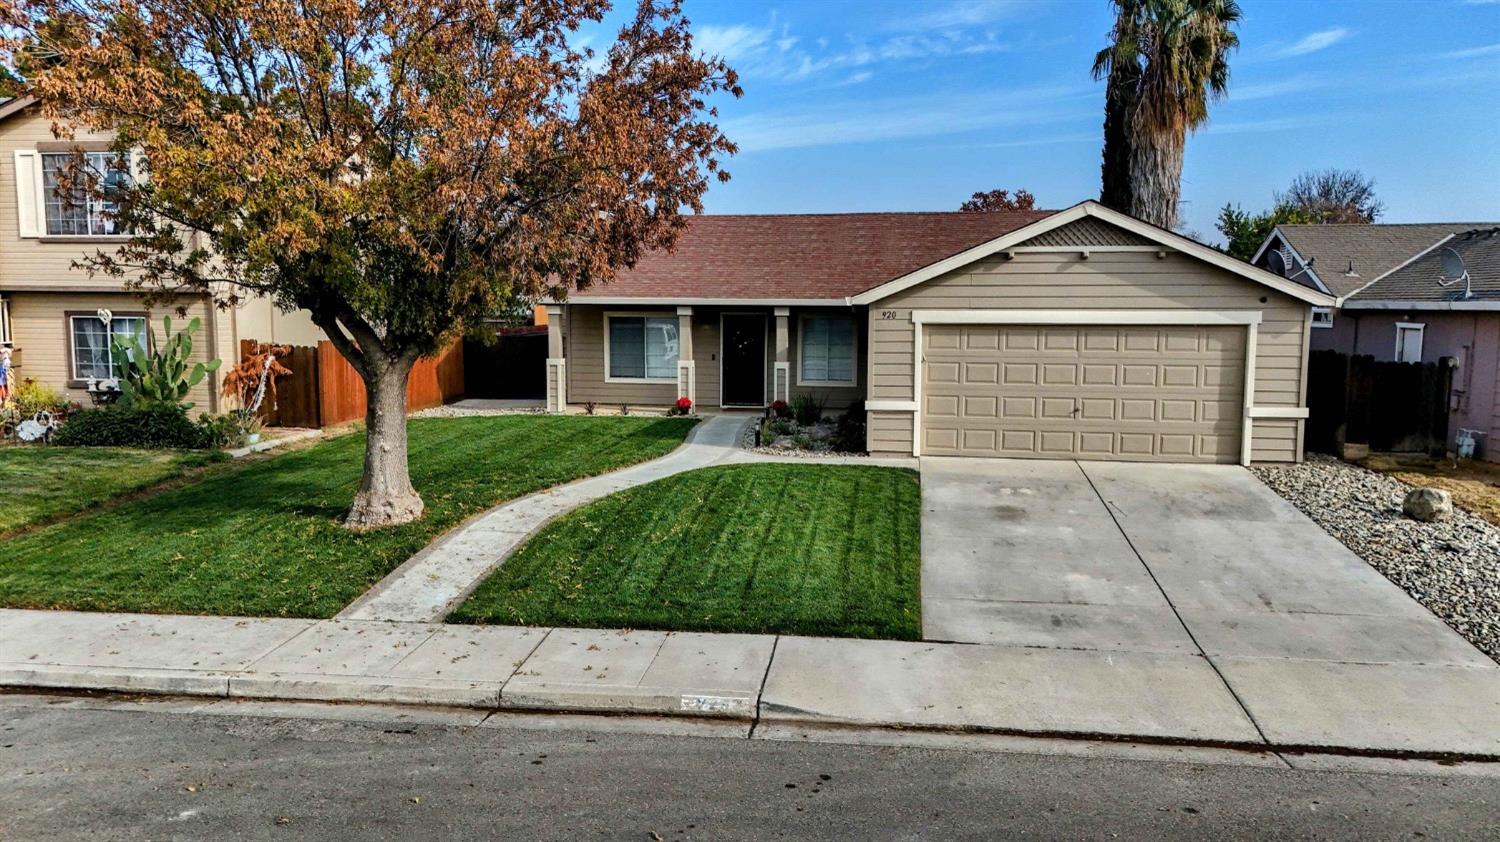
4	374
37	427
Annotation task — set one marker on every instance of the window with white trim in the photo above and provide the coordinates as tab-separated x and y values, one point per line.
640	348
93	345
825	351
1409	342
1322	317
79	211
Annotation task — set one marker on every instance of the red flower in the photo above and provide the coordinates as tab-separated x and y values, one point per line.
684	404
778	406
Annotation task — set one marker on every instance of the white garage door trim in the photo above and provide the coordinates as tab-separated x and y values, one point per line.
1250	319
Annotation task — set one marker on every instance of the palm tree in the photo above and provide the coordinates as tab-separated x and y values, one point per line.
1167	61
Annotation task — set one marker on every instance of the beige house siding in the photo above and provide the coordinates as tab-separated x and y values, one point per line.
38	263
43	342
38	279
1105	281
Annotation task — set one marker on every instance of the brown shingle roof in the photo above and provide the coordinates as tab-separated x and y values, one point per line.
1418	281
1373	249
803	256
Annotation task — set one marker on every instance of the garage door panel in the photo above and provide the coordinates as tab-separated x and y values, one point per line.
1020	373
1017	408
981	372
1136	393
1060	374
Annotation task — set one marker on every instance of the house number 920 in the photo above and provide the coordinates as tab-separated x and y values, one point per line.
887	315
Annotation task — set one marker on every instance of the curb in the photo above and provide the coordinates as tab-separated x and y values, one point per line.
684	707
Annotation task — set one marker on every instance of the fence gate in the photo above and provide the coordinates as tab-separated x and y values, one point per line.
1393	407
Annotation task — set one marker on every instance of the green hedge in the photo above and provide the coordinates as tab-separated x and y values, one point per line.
133	426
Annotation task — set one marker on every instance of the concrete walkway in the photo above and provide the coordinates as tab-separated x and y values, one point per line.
785	684
434	581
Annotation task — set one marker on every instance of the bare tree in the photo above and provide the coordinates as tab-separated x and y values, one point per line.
999	200
1334	196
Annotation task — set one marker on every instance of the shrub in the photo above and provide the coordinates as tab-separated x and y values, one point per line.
850	435
780	409
31	397
153	426
684	406
807	409
227	431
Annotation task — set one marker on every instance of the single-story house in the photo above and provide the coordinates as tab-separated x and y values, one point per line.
1408	293
1074	334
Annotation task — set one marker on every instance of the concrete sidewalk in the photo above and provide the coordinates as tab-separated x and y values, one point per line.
768	681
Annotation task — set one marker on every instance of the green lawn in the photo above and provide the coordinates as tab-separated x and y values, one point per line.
264	539
38	484
801	549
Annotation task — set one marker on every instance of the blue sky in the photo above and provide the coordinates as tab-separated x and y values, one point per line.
888	105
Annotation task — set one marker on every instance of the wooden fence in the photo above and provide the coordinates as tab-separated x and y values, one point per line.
1392	407
324	390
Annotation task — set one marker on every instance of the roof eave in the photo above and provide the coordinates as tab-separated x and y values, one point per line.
1129	223
16	106
1422	305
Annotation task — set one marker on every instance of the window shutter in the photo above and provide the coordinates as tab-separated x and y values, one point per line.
28	197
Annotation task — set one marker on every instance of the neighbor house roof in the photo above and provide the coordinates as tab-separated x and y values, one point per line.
1347	257
1417	282
802	257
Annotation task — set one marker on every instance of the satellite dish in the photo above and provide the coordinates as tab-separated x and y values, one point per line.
1275	263
1453	270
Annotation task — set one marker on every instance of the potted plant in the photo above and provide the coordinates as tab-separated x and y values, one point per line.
250	380
684	406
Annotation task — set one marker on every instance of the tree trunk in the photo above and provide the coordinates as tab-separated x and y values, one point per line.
1156	175
386	496
1114	188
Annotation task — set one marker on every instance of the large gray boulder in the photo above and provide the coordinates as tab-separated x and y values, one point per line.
1427	504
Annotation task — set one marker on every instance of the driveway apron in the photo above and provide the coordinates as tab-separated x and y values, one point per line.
1206	561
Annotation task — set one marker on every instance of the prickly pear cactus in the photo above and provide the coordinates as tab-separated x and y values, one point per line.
161	375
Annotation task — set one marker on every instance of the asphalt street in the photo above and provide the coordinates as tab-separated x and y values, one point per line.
71	771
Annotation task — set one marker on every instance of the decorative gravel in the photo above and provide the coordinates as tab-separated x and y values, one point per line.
455	411
786	445
1452	566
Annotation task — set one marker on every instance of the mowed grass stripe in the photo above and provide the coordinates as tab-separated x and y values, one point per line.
769	548
264	539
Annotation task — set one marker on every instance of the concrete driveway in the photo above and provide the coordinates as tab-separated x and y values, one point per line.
1199	561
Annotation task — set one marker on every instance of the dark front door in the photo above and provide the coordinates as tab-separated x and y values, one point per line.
743	362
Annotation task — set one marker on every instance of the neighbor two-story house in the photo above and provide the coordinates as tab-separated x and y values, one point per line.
1407	293
52	315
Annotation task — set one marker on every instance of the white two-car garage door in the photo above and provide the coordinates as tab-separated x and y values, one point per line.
1164	394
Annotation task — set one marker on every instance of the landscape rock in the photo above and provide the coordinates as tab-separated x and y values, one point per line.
1427	505
1451	566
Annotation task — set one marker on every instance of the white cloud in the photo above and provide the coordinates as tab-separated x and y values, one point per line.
856	78
1271	124
731	42
1279	88
909	117
1314	42
1474	52
959	14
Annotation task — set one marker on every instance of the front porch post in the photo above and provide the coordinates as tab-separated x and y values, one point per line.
687	373
557	363
781	378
